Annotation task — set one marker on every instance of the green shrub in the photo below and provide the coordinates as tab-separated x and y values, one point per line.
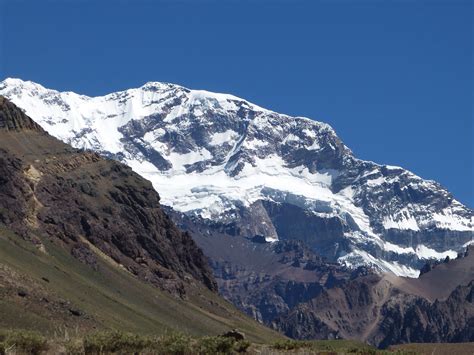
241	346
291	345
23	341
174	344
74	347
104	342
325	347
215	345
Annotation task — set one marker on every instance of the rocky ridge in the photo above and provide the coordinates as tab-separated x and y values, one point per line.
385	310
92	206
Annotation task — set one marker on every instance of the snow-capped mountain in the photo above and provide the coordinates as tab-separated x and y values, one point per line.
250	171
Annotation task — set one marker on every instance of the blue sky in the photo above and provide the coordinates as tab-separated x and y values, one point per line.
394	78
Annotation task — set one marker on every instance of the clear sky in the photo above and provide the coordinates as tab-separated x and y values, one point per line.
394	78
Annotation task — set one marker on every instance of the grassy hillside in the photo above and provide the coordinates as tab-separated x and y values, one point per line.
51	292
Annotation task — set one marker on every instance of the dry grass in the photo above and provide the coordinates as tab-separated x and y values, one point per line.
56	285
436	348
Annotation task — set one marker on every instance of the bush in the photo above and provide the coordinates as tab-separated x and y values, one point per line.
215	345
362	351
326	347
74	347
174	344
241	346
291	345
114	342
23	341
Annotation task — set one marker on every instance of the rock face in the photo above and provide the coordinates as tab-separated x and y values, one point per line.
451	320
249	171
92	206
13	119
265	280
438	307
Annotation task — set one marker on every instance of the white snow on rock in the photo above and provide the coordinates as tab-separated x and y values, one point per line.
402	220
223	137
210	154
360	257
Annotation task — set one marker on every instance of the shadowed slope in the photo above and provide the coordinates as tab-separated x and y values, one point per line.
81	199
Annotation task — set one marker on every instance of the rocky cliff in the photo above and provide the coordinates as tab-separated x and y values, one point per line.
385	310
92	206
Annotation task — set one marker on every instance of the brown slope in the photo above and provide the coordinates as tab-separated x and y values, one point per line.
442	280
50	291
264	280
385	310
94	207
13	119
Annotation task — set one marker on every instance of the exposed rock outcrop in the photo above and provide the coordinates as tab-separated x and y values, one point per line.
385	310
93	206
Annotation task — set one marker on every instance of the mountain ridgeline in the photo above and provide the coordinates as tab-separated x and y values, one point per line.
247	171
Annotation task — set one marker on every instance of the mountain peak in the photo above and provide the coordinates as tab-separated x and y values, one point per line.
215	155
20	83
159	85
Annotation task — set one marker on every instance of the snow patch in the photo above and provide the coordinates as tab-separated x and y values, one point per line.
179	160
403	220
423	252
358	257
223	137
